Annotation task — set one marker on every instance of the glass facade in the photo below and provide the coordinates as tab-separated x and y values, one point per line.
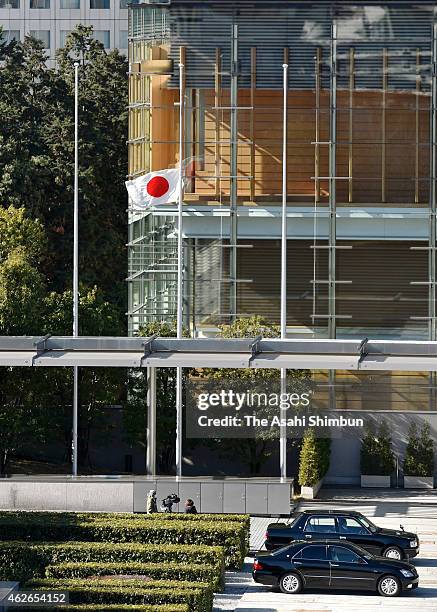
103	36
9	35
360	162
43	36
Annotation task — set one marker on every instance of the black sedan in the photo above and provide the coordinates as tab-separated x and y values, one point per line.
344	526
332	565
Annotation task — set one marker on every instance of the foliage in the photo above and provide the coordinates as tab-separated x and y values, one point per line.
255	452
22	560
155	571
232	536
124	607
37	154
197	595
136	408
419	455
314	458
377	458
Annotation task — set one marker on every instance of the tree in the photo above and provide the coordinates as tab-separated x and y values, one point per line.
419	455
37	154
377	458
135	408
314	458
255	452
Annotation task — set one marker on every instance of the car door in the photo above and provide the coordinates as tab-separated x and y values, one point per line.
320	527
352	530
312	562
349	570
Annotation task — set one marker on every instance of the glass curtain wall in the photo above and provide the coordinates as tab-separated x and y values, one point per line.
360	159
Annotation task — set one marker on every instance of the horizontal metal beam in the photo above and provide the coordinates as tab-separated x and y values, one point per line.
88	351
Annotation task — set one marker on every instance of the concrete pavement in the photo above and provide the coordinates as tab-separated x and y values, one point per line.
416	511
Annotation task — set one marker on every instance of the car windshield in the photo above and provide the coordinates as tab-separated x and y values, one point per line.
373	528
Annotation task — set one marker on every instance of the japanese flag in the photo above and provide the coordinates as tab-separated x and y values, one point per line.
154	188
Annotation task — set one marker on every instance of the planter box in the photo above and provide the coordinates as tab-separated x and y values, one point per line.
311	492
418	482
375	481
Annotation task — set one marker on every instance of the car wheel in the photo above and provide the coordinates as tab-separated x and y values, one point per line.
389	586
290	583
393	552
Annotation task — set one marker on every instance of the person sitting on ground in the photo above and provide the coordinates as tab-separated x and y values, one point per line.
190	508
151	505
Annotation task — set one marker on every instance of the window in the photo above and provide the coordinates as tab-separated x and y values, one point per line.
43	36
123	39
321	524
10	4
63	37
125	3
314	553
8	35
351	526
69	4
103	37
39	4
343	555
100	4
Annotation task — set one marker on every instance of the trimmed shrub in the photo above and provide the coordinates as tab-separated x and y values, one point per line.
377	458
419	455
121	607
197	595
313	459
24	560
227	518
233	536
157	571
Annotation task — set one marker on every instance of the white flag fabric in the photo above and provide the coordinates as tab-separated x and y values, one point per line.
154	188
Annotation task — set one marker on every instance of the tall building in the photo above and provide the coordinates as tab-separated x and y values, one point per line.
52	20
361	160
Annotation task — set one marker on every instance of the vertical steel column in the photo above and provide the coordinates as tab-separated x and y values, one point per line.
332	183
74	442
317	124
151	422
432	199
432	209
217	104
332	330
252	121
283	429
351	121
384	121
180	297
233	214
417	130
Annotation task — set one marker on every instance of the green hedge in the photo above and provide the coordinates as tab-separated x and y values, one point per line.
197	595
163	571
120	607
23	560
232	536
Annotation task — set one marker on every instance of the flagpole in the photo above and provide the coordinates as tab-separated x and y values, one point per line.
283	429
179	314
75	263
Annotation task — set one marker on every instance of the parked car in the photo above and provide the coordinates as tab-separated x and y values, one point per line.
332	565
345	526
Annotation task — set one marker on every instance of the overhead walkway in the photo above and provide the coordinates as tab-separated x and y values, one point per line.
153	352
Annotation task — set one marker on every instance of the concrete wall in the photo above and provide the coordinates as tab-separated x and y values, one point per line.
257	496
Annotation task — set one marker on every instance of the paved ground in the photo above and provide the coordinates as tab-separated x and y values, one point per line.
415	511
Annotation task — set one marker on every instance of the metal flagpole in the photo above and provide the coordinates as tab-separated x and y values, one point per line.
180	276
283	429
75	260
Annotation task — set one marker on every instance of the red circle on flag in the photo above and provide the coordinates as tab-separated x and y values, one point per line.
157	186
